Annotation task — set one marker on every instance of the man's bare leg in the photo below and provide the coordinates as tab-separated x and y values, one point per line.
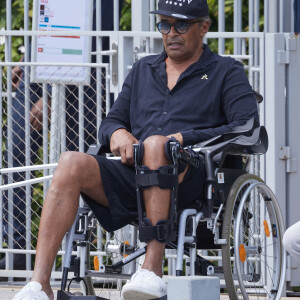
157	201
75	173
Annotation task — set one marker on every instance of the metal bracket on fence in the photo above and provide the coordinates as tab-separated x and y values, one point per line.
114	61
291	163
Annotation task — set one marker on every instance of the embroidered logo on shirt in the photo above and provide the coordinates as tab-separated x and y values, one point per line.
204	77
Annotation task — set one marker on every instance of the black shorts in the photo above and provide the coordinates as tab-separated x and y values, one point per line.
120	189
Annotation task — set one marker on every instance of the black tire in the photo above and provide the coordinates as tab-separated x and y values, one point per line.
258	266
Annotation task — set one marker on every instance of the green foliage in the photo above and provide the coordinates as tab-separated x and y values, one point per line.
125	21
17	23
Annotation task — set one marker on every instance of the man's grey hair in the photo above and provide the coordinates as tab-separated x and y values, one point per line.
205	19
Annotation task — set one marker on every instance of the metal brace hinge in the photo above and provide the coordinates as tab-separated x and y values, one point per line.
291	163
284	55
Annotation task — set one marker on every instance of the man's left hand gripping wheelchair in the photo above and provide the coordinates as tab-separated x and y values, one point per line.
239	215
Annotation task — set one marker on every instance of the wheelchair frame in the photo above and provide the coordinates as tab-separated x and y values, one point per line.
254	261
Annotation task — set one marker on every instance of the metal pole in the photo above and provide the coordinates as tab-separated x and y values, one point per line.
1	162
45	134
273	16
63	135
98	69
8	56
140	15
53	126
256	43
152	16
107	90
251	50
81	118
266	16
116	15
221	26
292	16
237	24
281	16
27	135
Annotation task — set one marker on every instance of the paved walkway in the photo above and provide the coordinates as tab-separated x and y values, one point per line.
8	291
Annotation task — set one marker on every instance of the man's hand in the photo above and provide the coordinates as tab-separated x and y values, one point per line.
121	142
36	115
177	136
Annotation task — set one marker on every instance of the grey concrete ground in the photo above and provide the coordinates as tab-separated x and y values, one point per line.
8	291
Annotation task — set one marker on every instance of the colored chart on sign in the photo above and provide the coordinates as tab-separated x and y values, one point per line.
68	16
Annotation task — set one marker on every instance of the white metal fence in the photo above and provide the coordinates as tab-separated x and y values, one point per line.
73	116
73	113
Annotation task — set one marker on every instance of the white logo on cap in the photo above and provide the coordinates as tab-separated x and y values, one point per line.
179	16
178	2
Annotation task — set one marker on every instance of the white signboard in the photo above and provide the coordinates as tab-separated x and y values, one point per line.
62	15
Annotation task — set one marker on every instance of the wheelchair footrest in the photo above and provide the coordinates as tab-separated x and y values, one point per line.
63	295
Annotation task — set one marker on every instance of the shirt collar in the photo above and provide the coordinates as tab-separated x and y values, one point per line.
205	59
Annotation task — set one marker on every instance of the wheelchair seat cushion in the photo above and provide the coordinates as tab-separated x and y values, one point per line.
120	189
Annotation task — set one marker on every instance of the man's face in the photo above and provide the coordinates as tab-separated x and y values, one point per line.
183	46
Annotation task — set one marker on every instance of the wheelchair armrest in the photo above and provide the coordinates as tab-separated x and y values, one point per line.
246	129
256	143
97	149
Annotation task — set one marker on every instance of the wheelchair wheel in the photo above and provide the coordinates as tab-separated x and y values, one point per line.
253	259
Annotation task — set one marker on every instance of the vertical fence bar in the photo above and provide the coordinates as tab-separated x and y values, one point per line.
9	149
1	161
152	16
281	16
107	78
98	69
292	16
237	24
54	121
116	15
221	26
58	122
262	92
62	103
256	43
99	100
45	136
81	117
266	16
27	135
251	50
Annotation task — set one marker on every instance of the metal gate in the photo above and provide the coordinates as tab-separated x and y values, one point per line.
271	62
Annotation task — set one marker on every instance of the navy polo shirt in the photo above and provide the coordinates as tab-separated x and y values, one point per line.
211	97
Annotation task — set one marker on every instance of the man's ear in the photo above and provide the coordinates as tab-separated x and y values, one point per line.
205	27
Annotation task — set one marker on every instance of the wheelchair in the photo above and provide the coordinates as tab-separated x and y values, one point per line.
238	216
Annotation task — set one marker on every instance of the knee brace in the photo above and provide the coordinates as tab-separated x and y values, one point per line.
165	177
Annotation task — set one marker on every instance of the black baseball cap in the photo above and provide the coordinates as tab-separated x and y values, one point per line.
182	9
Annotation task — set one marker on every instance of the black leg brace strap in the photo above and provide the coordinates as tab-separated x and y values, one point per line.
161	177
160	232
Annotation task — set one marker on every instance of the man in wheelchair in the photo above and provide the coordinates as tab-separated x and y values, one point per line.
186	94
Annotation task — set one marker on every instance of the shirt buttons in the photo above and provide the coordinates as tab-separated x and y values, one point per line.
158	129
164	113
